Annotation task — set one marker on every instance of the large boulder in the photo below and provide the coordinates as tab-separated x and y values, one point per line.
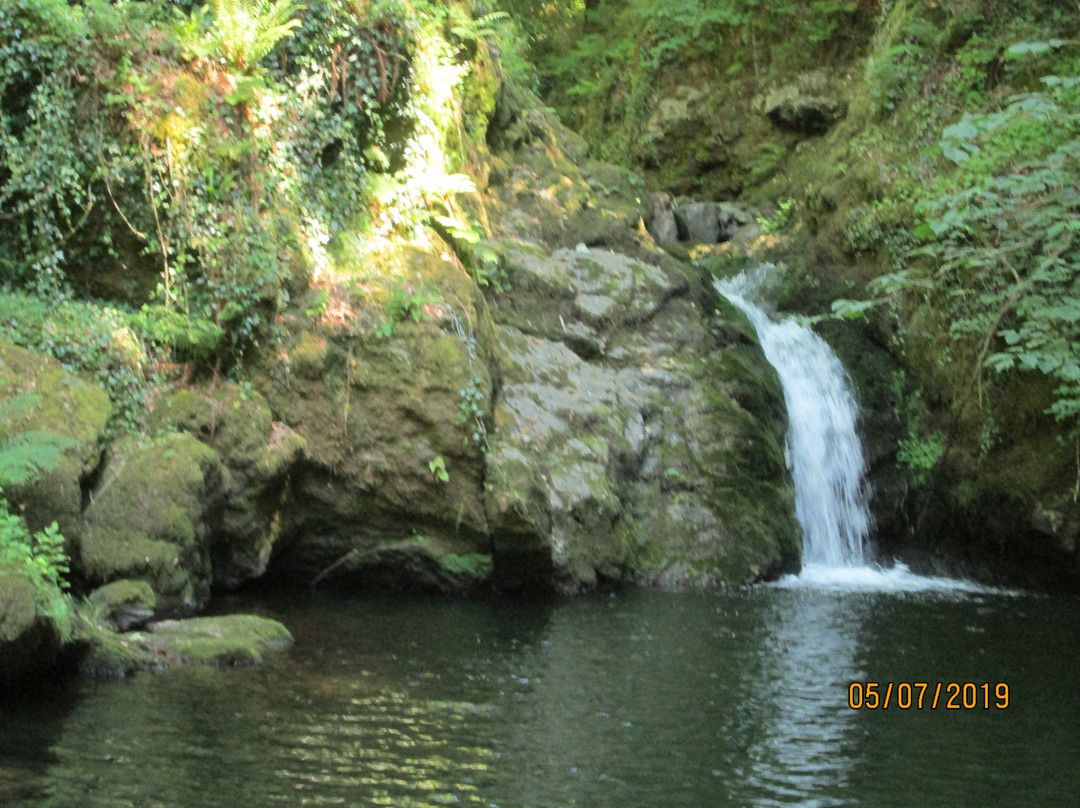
68	407
394	417
257	453
631	442
150	518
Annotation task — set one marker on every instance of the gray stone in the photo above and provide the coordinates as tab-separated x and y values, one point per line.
635	462
701	221
662	224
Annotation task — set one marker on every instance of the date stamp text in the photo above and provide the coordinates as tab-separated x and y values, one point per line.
928	696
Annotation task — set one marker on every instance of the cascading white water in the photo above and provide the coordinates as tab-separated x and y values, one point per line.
822	449
826	460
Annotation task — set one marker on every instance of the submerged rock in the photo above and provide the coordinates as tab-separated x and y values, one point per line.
238	639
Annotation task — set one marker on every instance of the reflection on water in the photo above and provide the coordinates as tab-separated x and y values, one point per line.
803	756
645	699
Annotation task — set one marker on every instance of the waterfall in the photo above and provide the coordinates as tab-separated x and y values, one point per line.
826	461
822	447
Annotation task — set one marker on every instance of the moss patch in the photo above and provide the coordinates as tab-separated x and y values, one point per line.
149	518
68	406
238	639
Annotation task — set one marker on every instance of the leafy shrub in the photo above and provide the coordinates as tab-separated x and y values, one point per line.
1000	254
45	156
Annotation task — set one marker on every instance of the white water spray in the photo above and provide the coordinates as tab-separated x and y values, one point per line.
822	448
825	457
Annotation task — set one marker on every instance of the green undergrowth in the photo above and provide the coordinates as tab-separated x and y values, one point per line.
619	51
203	166
988	253
85	337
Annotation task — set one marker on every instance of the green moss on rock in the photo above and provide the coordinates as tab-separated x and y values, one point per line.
149	518
123	605
238	639
69	407
29	642
258	454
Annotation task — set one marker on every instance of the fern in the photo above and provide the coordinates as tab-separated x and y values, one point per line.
27	453
247	30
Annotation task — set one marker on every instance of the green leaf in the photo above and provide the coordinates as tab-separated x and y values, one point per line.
851	309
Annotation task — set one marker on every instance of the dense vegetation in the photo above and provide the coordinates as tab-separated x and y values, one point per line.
197	166
177	180
39	556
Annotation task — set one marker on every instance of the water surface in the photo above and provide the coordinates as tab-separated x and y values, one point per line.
734	698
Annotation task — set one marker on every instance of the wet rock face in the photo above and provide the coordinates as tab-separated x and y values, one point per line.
621	450
637	431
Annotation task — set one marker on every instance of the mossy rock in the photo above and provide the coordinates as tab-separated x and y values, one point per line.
150	518
123	605
29	642
258	454
375	411
542	190
69	407
230	640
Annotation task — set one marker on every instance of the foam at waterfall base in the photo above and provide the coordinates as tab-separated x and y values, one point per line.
877	579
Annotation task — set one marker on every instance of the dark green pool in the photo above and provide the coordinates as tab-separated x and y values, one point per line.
643	699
